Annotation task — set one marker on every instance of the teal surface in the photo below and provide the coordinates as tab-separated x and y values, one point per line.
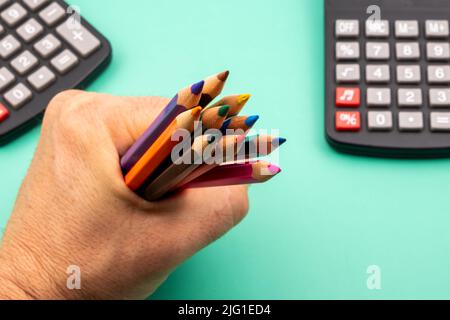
313	231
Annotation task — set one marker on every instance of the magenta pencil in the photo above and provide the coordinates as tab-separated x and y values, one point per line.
236	174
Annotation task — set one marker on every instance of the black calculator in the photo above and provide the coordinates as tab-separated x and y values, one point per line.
388	77
45	48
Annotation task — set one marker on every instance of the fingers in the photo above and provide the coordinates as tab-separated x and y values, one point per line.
197	217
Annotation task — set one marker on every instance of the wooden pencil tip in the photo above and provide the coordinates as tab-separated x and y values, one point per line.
243	98
196	111
197	87
223	76
250	121
223	111
273	169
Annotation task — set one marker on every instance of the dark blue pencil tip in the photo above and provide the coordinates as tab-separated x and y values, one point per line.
281	141
225	124
251	120
197	87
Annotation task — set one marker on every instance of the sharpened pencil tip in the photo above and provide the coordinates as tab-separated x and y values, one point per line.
251	120
197	87
196	111
279	141
273	169
223	76
223	111
243	98
226	124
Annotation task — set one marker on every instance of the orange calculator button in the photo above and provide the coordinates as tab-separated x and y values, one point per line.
348	97
4	113
348	121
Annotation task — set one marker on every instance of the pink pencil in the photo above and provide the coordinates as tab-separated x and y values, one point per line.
235	174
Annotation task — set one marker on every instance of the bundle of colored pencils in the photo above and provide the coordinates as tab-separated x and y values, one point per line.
214	149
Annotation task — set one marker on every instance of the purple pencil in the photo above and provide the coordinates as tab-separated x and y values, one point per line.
186	99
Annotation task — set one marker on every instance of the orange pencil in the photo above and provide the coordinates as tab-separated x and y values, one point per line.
161	149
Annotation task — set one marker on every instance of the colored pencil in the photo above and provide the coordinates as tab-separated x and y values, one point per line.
176	172
236	174
239	123
236	103
161	149
213	87
230	147
259	146
186	99
213	118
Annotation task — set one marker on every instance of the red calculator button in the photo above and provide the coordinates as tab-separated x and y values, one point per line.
4	113
348	121
348	97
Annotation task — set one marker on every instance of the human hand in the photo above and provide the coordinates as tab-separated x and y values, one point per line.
74	209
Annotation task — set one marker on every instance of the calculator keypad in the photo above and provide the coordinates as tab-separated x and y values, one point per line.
39	45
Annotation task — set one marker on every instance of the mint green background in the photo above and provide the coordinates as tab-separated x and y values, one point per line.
312	231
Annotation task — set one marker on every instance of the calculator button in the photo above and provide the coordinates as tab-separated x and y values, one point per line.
407	51
6	78
348	97
440	97
18	96
84	42
410	121
30	30
377	51
437	51
348	73
65	61
438	74
8	46
347	28
440	121
377	74
24	62
2	29
348	121
378	97
408	74
14	14
436	28
347	51
406	29
377	28
379	120
35	4
42	78
52	14
410	97
47	46
4	113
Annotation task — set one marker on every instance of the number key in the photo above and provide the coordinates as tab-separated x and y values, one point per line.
378	97
47	46
14	14
407	51
18	96
410	97
8	46
377	74
24	62
6	78
380	120
30	30
377	51
439	74
438	51
440	97
408	74
35	4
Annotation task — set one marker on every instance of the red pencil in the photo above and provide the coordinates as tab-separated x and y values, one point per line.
236	174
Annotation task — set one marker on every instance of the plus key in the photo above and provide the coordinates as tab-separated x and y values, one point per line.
83	41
